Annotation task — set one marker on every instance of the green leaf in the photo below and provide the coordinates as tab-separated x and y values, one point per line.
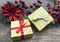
5	20
54	1
25	17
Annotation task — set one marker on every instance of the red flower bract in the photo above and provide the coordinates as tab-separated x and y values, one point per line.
11	12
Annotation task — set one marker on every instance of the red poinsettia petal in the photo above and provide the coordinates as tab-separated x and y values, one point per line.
10	6
21	16
9	18
17	9
17	14
15	18
7	5
4	8
5	14
4	4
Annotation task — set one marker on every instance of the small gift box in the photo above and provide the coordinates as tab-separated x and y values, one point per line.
21	29
40	18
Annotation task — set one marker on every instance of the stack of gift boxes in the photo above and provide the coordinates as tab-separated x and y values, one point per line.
21	28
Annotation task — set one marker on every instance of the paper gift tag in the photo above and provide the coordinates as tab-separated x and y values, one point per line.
40	18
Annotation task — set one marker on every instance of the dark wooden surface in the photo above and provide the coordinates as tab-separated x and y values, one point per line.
51	33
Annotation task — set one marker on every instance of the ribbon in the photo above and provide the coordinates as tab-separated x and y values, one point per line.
40	18
20	29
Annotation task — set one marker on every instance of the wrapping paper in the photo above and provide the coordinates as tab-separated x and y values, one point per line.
21	29
40	18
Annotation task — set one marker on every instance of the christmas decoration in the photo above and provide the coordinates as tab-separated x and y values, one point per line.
11	12
40	18
54	11
21	29
18	11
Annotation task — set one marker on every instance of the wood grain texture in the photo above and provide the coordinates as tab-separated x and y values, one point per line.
51	33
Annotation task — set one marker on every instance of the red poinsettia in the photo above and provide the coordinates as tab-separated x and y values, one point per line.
11	12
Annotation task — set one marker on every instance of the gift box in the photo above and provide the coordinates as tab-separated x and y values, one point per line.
21	30
40	18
